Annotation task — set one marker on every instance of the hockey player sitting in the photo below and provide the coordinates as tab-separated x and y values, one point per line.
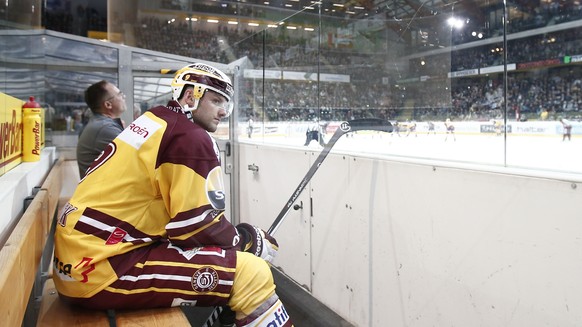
146	226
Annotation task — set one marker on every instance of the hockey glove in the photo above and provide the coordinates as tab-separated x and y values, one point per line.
257	242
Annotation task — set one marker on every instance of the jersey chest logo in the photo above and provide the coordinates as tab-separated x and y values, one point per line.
204	280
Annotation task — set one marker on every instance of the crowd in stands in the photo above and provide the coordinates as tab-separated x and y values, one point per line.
178	38
296	100
527	15
282	50
223	9
367	94
557	90
547	13
534	48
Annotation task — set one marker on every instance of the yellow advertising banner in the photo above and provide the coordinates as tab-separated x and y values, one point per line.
10	132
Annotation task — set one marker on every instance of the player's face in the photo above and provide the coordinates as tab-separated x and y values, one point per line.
211	110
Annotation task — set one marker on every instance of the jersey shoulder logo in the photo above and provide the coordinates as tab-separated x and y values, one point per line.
139	131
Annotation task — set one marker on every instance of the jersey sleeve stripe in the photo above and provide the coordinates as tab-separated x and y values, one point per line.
99	229
189	222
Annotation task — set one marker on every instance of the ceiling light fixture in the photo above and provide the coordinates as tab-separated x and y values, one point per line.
455	22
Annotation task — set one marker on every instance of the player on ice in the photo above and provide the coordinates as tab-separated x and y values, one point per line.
566	129
450	129
411	129
315	132
430	128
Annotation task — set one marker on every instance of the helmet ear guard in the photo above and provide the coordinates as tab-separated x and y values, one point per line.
197	92
203	77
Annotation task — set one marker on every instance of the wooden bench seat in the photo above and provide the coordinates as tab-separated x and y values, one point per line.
54	313
26	268
174	317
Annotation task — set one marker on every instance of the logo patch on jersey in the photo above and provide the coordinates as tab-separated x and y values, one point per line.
279	318
89	267
66	211
62	270
204	280
275	316
186	253
139	131
215	189
107	153
116	236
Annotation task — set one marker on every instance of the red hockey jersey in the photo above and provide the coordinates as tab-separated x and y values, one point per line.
159	179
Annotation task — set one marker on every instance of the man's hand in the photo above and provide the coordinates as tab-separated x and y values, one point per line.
257	242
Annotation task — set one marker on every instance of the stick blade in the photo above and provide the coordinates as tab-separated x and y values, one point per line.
367	124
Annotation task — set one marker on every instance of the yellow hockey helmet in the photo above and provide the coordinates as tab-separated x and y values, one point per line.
203	77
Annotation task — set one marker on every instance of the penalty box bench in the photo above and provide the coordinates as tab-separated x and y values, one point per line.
29	297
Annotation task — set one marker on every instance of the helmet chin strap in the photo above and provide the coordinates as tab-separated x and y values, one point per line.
189	115
188	110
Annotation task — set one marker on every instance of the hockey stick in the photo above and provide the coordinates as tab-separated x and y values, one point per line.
371	124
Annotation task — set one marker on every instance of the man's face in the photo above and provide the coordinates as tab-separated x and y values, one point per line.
211	110
115	102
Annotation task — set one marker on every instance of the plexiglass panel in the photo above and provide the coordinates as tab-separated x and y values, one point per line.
456	82
484	82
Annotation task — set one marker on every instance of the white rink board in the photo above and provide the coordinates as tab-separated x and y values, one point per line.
402	242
